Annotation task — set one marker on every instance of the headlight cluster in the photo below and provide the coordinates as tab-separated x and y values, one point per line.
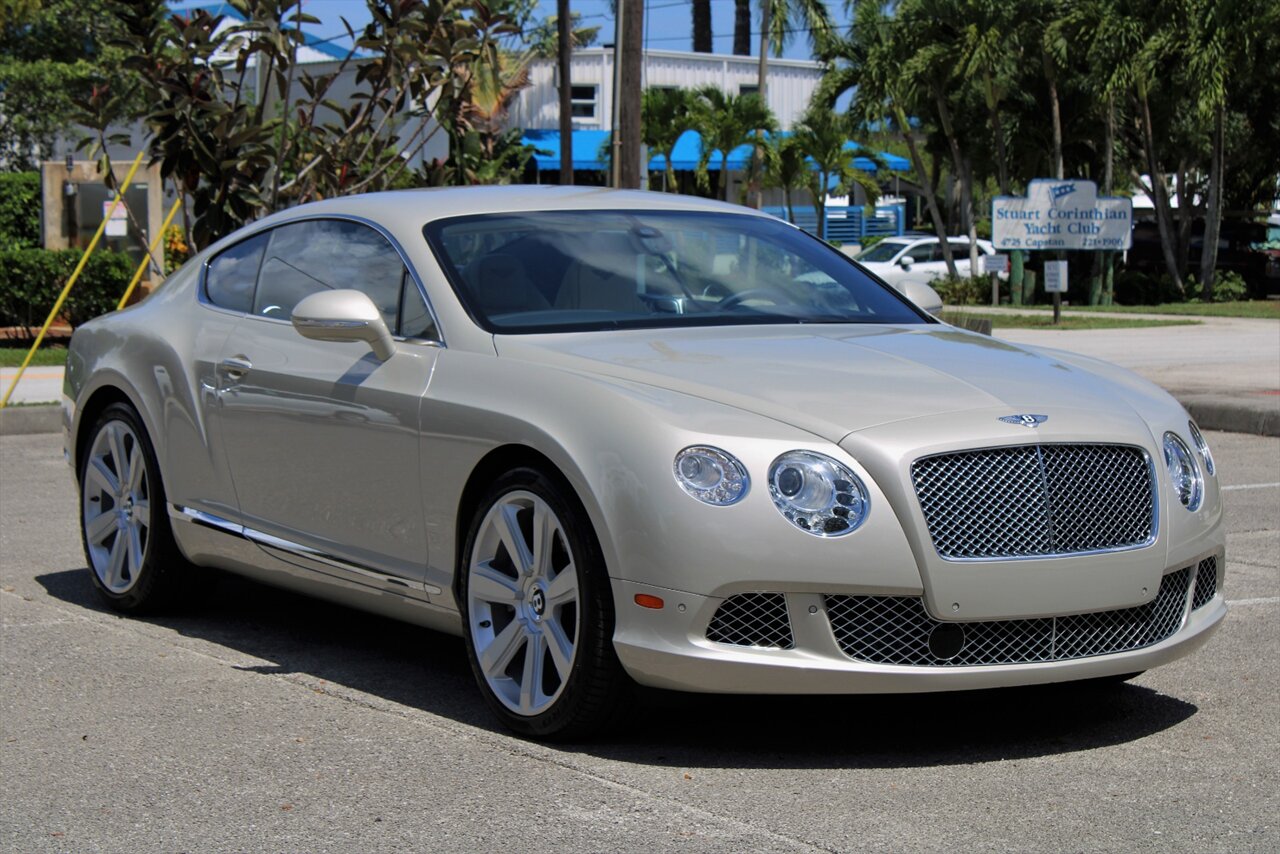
1202	446
711	475
1184	472
817	494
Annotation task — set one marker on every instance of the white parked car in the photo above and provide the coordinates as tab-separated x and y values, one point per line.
908	261
613	438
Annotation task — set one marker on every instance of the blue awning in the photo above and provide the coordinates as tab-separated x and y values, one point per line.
586	149
588	146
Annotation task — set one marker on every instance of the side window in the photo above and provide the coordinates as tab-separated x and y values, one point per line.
415	320
959	250
229	281
311	256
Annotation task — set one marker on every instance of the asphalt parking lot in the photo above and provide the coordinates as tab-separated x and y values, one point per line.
269	722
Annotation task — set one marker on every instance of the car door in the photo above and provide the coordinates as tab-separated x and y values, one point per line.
322	438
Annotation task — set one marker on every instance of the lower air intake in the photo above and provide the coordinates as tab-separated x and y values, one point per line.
1206	582
753	619
898	630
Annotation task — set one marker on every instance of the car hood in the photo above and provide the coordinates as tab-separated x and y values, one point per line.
833	380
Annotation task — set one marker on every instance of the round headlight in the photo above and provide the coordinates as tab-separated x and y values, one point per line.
817	494
711	475
1188	484
1202	446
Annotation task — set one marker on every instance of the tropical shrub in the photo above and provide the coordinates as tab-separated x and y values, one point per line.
31	279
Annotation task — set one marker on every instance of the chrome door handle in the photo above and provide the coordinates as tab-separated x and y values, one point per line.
235	367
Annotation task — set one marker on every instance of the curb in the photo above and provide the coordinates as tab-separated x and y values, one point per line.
25	420
1234	416
1211	412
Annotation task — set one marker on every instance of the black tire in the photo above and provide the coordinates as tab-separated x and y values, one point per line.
592	695
164	577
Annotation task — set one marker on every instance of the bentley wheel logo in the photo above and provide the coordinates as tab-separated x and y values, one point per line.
1025	420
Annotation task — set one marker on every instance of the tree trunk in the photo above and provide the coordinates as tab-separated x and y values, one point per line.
742	27
1056	112
786	197
1159	195
629	103
1185	210
1108	187
997	130
757	154
930	198
702	26
722	180
820	203
564	48
1213	214
966	189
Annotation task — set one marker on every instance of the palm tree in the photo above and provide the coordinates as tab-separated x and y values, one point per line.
742	27
725	122
702	26
777	18
869	62
786	168
664	116
822	136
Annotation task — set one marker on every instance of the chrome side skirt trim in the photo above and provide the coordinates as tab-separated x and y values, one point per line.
287	547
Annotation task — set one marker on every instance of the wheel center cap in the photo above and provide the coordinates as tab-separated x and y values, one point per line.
537	603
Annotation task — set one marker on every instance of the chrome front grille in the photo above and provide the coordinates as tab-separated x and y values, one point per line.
753	619
1036	500
1206	582
898	630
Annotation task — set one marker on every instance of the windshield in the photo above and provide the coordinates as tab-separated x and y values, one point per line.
553	271
882	252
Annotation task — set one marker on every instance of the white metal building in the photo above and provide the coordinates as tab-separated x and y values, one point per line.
791	84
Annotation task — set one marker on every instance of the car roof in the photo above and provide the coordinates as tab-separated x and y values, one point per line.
398	209
425	205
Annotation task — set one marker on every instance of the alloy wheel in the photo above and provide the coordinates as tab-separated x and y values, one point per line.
523	602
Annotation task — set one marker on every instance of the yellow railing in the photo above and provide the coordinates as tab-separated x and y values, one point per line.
66	289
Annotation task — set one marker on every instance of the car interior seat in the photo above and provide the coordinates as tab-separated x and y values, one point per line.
502	286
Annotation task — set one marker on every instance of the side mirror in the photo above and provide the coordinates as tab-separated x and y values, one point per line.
906	261
344	315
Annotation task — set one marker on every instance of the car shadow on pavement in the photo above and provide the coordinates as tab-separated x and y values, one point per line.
317	641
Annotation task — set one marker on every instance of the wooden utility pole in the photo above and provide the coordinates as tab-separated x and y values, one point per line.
564	49
630	83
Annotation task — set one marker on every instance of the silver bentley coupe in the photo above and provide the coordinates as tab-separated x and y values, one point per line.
617	438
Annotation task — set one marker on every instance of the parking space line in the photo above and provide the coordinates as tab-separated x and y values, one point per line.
1263	600
1250	486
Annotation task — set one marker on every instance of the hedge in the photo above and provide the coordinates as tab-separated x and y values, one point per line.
19	210
31	279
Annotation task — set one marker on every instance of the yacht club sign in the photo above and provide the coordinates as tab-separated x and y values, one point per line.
1061	215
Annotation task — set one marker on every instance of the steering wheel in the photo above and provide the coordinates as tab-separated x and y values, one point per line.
773	295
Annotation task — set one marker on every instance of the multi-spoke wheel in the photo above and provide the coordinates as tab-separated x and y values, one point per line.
127	539
539	617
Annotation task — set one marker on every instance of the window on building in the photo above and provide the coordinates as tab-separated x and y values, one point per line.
583	101
748	90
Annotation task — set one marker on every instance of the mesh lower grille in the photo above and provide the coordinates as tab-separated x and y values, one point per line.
1029	500
1206	582
898	630
753	619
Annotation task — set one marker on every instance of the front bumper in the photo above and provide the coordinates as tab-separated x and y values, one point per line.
669	648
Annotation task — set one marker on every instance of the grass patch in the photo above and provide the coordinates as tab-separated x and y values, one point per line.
11	357
1035	321
1244	308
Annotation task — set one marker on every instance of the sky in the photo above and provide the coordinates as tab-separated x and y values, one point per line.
668	24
